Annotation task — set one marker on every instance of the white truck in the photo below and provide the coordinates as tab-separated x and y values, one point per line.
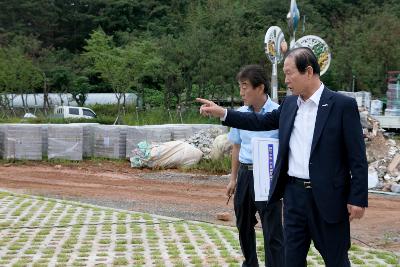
74	112
388	122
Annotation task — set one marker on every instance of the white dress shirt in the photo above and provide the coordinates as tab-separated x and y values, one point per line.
302	135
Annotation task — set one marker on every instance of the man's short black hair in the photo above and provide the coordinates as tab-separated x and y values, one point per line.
303	58
255	74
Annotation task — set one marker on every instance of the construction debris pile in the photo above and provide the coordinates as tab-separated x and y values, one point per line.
204	139
383	155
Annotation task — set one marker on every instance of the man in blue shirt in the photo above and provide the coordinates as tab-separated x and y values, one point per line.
253	90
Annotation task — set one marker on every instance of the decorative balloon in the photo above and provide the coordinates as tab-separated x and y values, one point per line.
320	49
274	38
274	41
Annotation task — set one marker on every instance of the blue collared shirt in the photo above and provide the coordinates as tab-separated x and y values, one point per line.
243	137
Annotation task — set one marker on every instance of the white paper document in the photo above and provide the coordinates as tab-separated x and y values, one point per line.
265	151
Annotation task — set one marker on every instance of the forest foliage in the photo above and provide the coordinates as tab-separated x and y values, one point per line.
171	51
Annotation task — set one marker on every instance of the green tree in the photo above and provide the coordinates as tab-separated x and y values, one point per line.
18	74
62	79
111	62
366	47
80	89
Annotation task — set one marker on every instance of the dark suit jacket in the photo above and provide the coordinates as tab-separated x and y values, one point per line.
338	166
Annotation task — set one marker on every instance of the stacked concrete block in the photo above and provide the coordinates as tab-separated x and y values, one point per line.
376	107
393	99
110	141
88	138
185	131
45	128
180	131
148	133
65	141
363	99
22	141
2	139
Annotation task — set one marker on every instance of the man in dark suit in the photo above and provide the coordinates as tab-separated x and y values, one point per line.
321	170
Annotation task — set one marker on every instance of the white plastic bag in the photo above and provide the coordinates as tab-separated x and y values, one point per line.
220	147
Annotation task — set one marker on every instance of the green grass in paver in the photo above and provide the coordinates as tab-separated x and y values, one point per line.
121	242
85	249
151	233
155	254
138	249
319	260
102	254
21	263
120	248
136	241
138	259
69	243
136	229
23	220
135	216
48	212
392	260
105	241
179	263
5	224
15	247
23	238
83	255
65	220
48	251
387	257
356	260
40	263
120	261
121	229
30	251
12	253
196	260
79	263
173	252
212	233
367	257
106	228
147	217
185	239
92	231
310	263
158	263
122	216
63	257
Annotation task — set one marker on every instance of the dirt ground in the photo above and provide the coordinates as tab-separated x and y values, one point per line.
192	196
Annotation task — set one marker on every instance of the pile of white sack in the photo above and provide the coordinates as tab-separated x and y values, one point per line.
211	143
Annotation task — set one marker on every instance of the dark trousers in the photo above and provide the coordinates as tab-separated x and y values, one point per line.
303	223
271	220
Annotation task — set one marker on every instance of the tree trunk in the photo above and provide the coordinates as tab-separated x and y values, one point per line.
23	102
46	104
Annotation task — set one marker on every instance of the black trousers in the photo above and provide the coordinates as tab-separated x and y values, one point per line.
271	220
303	223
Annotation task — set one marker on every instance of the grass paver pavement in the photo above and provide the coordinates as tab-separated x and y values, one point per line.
37	231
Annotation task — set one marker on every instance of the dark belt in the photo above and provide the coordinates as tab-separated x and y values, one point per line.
302	182
248	167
